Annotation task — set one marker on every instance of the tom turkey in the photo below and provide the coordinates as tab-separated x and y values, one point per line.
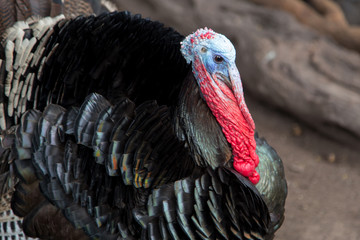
133	132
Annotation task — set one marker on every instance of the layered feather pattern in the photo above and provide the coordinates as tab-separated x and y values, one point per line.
175	201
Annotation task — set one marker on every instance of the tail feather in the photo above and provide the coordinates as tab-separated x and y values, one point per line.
20	10
25	198
40	222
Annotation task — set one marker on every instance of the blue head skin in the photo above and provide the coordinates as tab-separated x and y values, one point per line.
215	51
218	55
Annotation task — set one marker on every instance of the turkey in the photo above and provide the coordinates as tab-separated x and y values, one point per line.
120	128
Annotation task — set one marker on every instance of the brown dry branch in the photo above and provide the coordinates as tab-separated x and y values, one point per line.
323	15
330	10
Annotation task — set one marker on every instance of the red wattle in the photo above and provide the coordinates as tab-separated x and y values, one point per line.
233	119
244	168
255	178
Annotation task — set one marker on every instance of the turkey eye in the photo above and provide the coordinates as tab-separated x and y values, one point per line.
218	59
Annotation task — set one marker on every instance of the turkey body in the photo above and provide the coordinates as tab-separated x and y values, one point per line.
118	137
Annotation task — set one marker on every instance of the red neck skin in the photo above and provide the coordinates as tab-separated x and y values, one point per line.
236	122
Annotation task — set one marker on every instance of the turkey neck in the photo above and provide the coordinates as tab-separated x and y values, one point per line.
197	126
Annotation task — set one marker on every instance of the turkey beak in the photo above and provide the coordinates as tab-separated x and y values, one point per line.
236	86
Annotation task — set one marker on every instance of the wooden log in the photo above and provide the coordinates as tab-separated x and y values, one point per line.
281	62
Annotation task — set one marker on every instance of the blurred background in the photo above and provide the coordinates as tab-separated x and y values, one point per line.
300	65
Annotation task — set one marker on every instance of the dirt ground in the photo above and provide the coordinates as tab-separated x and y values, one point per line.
323	178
